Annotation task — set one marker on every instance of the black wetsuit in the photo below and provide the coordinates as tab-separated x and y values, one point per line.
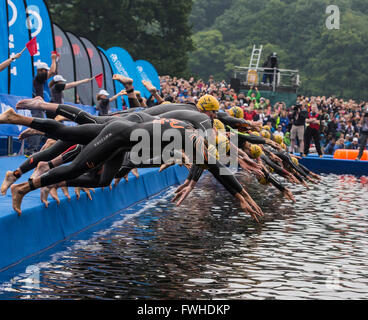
231	121
107	144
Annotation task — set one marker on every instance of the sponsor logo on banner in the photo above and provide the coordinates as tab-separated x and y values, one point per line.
14	14
118	65
34	21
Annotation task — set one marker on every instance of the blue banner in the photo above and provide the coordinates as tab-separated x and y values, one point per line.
39	24
21	71
4	46
147	72
123	64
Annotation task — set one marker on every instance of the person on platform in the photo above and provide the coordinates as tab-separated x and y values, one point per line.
313	131
363	135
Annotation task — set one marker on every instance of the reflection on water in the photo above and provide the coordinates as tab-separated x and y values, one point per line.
209	249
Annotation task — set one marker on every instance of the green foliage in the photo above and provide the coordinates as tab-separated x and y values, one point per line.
157	31
330	61
213	57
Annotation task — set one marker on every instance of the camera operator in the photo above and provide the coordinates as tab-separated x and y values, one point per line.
313	130
298	120
363	135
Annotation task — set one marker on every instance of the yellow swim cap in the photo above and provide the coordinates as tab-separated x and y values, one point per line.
263	181
223	143
278	139
283	145
255	151
237	112
255	133
266	134
208	103
267	128
295	161
217	124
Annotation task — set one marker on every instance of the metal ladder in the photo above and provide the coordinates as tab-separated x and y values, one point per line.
256	58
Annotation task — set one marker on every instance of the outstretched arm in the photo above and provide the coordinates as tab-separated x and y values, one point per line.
77	83
52	70
121	93
153	90
8	62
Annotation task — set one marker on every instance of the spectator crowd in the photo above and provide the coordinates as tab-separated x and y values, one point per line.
329	122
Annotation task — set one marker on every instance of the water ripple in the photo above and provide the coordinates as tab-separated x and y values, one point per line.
210	249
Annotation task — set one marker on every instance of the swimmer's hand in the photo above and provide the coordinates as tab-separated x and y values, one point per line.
184	193
249	205
289	195
254	168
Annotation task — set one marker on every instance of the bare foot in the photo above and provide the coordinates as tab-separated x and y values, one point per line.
6	116
30	133
44	196
18	193
150	87
117	182
66	192
77	192
135	173
166	166
61	119
30	104
86	190
54	195
8	181
49	143
42	168
127	82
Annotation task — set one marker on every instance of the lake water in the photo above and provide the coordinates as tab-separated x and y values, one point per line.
209	249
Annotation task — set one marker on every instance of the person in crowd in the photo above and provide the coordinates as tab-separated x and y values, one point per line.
298	121
255	96
340	144
44	73
330	148
57	87
279	132
313	131
363	135
103	101
355	145
283	121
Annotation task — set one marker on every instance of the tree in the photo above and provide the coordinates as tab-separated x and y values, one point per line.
157	31
330	61
213	56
